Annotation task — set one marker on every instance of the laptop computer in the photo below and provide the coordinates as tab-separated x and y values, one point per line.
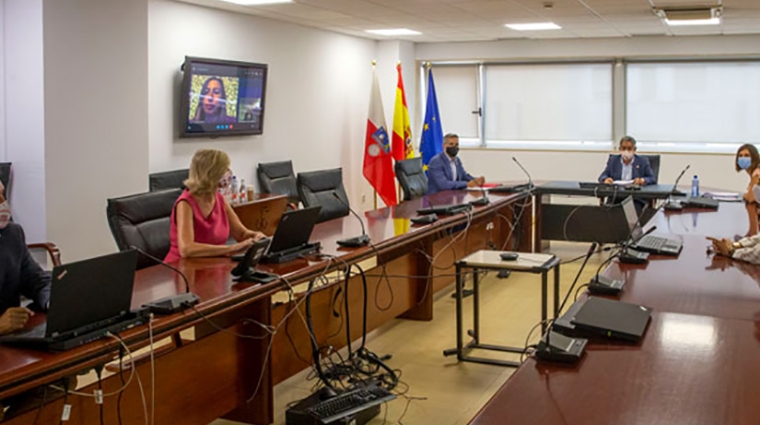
701	202
291	238
652	244
612	319
87	299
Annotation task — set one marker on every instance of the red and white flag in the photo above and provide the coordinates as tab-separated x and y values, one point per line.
378	161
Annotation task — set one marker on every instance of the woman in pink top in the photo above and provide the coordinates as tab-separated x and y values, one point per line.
202	221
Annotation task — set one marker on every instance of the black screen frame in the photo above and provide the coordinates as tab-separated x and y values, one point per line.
184	109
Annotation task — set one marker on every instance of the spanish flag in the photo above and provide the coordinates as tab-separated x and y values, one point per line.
402	128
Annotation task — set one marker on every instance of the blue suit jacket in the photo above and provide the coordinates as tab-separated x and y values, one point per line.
641	169
439	174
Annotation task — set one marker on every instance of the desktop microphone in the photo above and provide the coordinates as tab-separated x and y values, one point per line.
530	179
555	347
483	200
630	256
357	241
173	303
670	204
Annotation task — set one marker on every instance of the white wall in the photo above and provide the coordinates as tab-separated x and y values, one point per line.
2	81
316	101
715	170
23	114
96	116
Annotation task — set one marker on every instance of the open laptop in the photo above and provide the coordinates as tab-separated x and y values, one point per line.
87	299
612	319
291	239
651	244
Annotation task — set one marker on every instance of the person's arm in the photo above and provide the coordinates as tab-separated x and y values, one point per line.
188	248
438	175
750	255
237	230
646	172
754	180
463	174
607	173
35	283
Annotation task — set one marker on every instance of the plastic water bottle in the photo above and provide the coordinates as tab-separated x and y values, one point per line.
234	189
241	193
695	187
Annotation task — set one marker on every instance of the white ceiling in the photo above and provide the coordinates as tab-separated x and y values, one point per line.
471	20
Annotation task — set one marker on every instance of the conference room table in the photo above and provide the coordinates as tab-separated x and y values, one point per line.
697	362
228	364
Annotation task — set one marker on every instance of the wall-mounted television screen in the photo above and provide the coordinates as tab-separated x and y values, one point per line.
222	98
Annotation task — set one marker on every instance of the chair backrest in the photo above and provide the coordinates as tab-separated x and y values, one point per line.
278	178
5	177
168	180
412	178
654	162
319	187
143	221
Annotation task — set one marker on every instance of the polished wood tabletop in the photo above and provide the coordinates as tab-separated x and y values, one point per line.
211	280
689	369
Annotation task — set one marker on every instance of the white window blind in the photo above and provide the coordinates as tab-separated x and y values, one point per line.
457	90
704	103
548	104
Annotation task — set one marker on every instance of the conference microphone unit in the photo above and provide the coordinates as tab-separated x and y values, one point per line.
483	200
357	241
630	256
670	204
530	179
173	303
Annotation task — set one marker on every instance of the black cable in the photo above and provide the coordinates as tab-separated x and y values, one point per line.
42	405
383	278
123	382
65	397
99	373
221	329
312	339
346	309
577	291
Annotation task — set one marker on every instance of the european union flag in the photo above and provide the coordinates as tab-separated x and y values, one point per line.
432	135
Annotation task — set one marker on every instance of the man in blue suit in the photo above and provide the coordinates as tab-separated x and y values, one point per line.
445	170
628	165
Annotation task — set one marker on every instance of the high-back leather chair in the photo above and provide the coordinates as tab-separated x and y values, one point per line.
654	162
143	221
412	178
319	188
168	180
278	178
5	177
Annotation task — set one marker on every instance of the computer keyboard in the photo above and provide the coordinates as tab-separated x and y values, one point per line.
349	403
655	243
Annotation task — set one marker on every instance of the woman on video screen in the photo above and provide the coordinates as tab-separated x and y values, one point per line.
212	107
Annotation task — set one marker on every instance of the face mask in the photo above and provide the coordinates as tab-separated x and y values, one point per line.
452	151
224	182
627	155
5	214
744	162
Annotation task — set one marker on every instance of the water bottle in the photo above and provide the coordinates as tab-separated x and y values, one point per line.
234	189
241	193
695	187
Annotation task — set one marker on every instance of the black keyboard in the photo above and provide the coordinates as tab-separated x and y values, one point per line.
349	403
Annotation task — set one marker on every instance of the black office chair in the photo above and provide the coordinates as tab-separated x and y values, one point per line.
319	187
168	180
654	162
143	221
5	176
278	178
412	178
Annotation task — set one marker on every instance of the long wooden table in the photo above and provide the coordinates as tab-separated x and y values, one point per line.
697	363
218	374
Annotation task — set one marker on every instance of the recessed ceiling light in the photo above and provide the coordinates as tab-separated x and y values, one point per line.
536	26
395	31
257	2
685	22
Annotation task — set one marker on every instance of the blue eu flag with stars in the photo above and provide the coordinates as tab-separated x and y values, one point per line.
432	135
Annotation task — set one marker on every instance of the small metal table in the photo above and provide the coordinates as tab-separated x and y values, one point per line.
491	260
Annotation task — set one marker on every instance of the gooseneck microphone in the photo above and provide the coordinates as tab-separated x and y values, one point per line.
356	241
173	303
530	179
670	204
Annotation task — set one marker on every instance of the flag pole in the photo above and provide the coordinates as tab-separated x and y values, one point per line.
375	196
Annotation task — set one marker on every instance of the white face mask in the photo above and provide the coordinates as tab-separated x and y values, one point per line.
5	214
627	155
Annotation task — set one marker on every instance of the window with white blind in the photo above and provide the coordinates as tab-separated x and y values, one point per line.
457	89
548	104
693	105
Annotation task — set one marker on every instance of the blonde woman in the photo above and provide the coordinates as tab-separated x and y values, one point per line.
202	221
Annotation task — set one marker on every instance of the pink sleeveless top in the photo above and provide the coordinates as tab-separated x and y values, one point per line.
211	230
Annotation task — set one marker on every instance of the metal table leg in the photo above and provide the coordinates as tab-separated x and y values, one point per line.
544	300
556	292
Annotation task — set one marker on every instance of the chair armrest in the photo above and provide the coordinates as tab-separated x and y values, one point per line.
52	250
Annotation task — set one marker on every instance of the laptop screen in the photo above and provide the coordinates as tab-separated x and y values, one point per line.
631	217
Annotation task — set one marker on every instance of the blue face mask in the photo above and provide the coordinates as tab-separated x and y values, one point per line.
744	162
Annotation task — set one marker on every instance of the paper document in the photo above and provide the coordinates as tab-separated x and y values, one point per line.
723	196
623	182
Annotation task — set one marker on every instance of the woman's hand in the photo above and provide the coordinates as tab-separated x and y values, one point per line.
241	246
252	234
608	180
722	246
14	319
